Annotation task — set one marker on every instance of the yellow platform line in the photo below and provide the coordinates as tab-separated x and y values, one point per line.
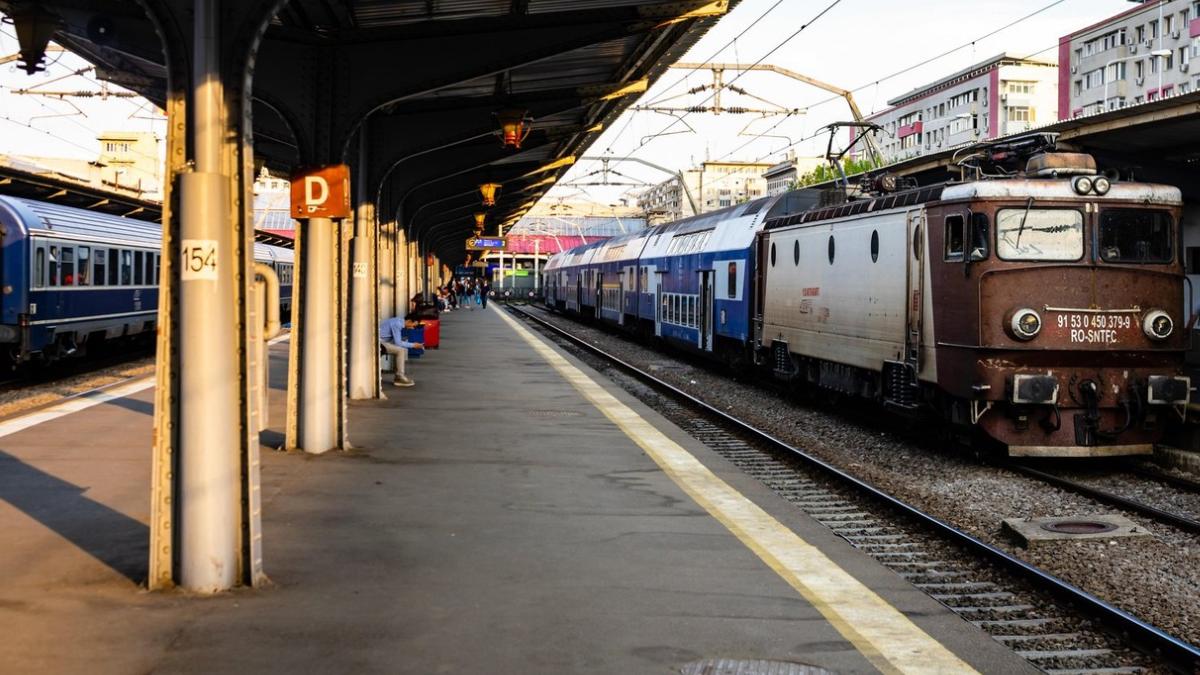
883	634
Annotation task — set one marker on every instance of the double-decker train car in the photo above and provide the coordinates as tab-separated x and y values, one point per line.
71	276
1043	306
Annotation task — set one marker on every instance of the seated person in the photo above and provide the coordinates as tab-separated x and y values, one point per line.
394	343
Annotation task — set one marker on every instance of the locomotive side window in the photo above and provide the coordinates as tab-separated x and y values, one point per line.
733	280
772	254
99	274
1039	234
1136	236
954	237
831	249
53	267
874	245
796	252
39	266
978	239
83	278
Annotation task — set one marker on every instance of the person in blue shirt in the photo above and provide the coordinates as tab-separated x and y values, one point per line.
393	342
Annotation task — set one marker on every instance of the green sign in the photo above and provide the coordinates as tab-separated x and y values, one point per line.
516	273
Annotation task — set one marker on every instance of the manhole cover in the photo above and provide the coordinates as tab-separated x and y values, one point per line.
750	667
1063	528
554	413
1079	526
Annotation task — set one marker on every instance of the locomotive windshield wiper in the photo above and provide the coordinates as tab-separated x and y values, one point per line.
1024	216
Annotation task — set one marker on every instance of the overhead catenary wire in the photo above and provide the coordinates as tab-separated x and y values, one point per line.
742	74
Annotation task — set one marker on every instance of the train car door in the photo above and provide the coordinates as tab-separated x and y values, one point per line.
598	305
658	303
579	291
916	278
621	296
705	322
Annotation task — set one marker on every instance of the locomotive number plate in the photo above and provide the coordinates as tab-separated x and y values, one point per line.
1093	329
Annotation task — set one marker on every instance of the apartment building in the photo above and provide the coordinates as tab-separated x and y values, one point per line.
782	176
714	185
1003	95
1139	55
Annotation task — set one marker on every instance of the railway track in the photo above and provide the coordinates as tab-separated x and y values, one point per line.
1184	522
866	517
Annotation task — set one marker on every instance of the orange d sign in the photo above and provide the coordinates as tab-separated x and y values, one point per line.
321	192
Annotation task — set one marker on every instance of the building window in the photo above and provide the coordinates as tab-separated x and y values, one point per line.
1139	69
1020	87
1019	114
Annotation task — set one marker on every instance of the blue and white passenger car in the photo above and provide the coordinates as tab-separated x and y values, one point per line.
69	276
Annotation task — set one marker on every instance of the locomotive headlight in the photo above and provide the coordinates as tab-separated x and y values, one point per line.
1026	324
1101	185
1082	185
1158	324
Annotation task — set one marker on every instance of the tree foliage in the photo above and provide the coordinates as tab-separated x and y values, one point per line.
825	172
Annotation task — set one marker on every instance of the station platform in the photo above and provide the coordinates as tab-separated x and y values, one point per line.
514	512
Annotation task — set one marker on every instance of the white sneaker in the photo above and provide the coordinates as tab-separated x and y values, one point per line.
406	382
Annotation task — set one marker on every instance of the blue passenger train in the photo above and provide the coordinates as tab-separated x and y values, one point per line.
71	276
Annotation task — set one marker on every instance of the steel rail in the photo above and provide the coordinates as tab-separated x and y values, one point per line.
1174	519
1153	474
1180	654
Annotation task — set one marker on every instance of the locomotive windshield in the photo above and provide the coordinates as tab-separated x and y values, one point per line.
1039	234
1135	236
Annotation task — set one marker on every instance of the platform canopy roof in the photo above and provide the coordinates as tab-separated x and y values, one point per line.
428	81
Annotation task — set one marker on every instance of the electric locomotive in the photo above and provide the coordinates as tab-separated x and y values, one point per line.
1043	308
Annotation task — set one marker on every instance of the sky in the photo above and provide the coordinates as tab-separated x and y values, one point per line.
857	44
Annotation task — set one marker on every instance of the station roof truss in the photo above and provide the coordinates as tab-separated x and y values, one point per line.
424	80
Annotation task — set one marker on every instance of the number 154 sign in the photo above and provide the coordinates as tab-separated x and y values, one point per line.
200	260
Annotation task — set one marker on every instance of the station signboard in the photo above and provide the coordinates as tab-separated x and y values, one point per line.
321	192
486	243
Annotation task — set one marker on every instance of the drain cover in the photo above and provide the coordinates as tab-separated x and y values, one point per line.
1043	530
750	667
1079	526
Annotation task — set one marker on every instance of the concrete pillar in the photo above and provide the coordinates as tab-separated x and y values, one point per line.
386	263
403	281
317	430
364	329
209	407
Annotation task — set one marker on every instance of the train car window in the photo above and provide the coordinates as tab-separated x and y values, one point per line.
84	276
663	311
733	278
772	254
1039	234
1136	236
831	249
99	274
126	268
955	231
53	268
39	266
66	262
874	245
157	267
796	252
138	263
114	265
